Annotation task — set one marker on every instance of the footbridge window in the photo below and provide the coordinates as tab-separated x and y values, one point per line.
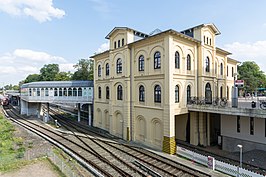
30	92
75	92
65	92
46	92
69	91
38	92
79	91
60	92
55	92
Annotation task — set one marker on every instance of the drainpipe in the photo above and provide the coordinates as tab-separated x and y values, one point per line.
131	96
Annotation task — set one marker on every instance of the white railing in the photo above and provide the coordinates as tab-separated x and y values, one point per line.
219	165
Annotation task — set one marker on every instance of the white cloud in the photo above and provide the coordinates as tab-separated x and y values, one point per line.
40	10
249	52
17	65
103	47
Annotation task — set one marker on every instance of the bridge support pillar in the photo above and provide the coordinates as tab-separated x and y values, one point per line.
78	112
39	110
24	107
46	117
89	113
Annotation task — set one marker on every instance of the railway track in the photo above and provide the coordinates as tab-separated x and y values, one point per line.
153	164
95	159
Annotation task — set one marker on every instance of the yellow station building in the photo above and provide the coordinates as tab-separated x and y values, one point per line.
143	83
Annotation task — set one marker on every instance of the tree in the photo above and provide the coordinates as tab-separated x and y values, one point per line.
253	77
84	70
32	78
63	76
48	72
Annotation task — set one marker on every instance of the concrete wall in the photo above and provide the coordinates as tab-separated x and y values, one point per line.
231	137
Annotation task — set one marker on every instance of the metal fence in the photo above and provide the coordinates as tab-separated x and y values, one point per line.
218	165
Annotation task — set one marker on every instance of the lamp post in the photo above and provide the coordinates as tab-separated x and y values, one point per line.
240	147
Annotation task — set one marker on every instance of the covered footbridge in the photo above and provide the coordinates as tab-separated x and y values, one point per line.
34	94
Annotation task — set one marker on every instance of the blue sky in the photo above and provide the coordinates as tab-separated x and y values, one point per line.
38	32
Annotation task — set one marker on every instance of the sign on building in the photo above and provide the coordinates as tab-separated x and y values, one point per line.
239	83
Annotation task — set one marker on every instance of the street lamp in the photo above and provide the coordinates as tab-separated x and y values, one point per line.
240	147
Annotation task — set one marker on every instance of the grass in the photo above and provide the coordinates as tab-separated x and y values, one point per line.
11	148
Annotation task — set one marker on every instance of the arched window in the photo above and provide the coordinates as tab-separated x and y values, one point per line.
75	92
55	92
207	64
177	60
118	43
221	92
99	71
79	91
46	92
38	92
188	62
208	94
119	65
177	94
188	93
119	92
99	92
107	93
65	92
157	60
221	69
115	45
107	69
123	42
60	92
207	40
70	92
210	41
204	39
232	71
141	93
157	94
141	63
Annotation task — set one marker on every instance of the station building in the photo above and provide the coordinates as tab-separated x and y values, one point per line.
143	83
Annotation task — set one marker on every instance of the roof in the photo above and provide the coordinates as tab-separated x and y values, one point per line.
45	84
214	28
231	59
223	51
136	33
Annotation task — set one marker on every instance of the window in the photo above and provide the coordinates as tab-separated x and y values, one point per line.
188	62
221	69
207	40
60	92
69	91
75	92
107	93
99	71
99	92
141	93
107	69
119	65
64	92
238	124
176	94
30	92
207	64
210	41
221	92
188	93
47	93
232	71
119	92
118	43
157	94
123	42
115	45
157	60
38	92
55	92
227	71
141	63
251	123
177	60
79	92
204	39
